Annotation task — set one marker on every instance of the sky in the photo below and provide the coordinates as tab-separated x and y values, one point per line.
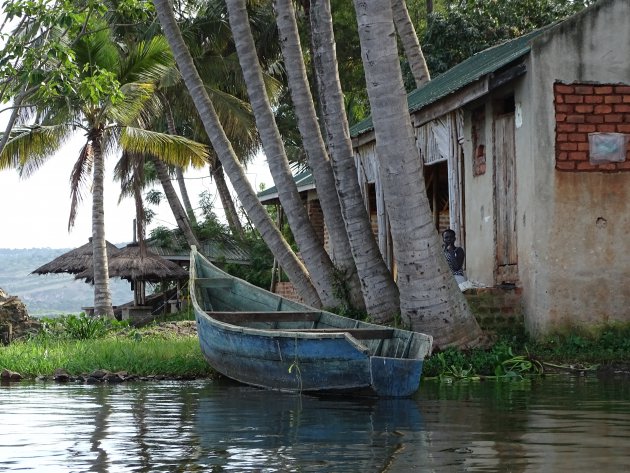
34	211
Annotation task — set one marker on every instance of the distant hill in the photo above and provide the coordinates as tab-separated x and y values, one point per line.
49	294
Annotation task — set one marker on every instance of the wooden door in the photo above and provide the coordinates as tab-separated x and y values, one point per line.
506	269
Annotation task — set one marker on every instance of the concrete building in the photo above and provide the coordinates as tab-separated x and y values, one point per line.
526	156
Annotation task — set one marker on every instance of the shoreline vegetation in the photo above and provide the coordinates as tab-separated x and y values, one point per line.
92	350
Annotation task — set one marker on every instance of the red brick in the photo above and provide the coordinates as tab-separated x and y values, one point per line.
613	118
559	99
566	127
603	89
613	99
560	137
585	166
563	88
606	128
567	146
564	108
626	99
623	128
584	108
563	156
584	146
561	117
602	109
573	99
593	99
578	156
622	89
623	108
584	89
576	137
588	128
565	165
607	167
575	119
625	166
594	119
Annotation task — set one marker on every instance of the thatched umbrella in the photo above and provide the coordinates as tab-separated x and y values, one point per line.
75	261
139	265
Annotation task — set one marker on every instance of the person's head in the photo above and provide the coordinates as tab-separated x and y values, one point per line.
448	236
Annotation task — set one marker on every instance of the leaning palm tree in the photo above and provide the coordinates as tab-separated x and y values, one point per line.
269	232
113	92
430	299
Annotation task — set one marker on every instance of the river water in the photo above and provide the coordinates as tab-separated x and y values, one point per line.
555	424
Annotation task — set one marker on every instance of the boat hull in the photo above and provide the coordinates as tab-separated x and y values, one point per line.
292	364
262	339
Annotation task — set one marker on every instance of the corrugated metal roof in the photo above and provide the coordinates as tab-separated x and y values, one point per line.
217	250
303	180
466	72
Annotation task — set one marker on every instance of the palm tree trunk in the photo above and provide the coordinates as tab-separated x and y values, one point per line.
102	293
176	207
430	299
411	45
216	170
170	121
269	232
316	149
311	247
379	290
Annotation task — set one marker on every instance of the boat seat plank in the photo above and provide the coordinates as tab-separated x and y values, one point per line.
286	316
358	333
214	282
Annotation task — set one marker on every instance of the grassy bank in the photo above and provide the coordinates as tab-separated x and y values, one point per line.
80	345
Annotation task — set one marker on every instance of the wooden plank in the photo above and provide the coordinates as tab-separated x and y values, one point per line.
214	282
242	317
358	333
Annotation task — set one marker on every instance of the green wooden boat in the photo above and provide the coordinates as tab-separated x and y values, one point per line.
262	339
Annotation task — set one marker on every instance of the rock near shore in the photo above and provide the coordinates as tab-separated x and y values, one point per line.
14	319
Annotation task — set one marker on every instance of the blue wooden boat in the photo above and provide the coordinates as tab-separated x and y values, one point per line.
262	339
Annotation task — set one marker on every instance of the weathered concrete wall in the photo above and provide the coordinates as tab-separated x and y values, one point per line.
577	269
478	198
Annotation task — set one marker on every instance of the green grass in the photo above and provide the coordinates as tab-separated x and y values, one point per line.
81	344
155	355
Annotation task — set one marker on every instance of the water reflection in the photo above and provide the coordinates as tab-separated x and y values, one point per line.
578	424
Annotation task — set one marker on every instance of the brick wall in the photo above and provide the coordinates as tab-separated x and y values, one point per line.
286	289
496	308
587	108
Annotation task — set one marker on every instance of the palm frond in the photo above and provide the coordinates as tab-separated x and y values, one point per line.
147	62
127	111
79	180
172	149
29	147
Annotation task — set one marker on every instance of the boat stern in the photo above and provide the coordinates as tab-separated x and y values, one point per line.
395	377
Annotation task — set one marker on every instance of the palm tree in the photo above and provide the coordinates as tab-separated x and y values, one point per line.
315	149
411	45
112	91
430	299
269	232
379	290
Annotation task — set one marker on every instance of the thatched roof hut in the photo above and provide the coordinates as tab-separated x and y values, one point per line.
133	264
138	265
75	261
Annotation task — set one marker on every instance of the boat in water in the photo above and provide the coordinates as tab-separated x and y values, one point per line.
262	339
